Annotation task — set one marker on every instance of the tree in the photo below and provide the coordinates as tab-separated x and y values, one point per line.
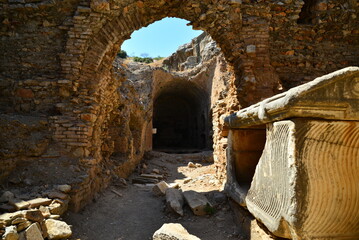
122	54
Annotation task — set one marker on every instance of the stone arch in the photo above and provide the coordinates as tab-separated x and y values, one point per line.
93	50
100	28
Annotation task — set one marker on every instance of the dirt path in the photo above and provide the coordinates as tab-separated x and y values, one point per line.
139	213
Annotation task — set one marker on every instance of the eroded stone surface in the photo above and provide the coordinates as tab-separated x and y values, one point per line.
296	189
57	229
304	188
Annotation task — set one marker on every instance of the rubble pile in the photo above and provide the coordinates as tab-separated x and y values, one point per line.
36	218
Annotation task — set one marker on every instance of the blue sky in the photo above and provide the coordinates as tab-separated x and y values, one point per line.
161	38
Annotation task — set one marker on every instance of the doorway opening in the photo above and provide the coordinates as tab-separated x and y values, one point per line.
181	118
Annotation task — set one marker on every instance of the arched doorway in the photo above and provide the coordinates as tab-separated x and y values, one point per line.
180	118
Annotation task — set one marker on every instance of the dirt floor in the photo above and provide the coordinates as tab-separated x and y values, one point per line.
133	212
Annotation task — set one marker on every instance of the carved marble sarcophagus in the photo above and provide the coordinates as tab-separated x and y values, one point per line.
293	159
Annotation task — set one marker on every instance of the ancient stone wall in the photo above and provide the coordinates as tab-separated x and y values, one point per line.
57	57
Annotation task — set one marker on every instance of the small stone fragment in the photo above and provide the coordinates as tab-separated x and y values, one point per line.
45	211
57	229
58	207
191	165
23	226
34	215
8	217
56	194
10	233
156	171
155	176
18	220
160	188
198	165
173	231
34	203
174	200
19	204
198	203
33	232
64	188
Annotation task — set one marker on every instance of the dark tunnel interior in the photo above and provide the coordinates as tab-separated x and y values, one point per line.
180	117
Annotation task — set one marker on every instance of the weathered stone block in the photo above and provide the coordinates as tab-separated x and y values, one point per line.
305	183
33	232
39	201
306	180
197	202
160	188
57	229
173	231
174	200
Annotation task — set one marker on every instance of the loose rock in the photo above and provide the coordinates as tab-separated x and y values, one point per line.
57	229
174	200
191	165
23	226
37	202
198	203
173	231
34	215
33	232
10	233
58	207
160	188
19	204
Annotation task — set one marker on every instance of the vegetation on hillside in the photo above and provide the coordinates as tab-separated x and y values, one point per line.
122	54
144	59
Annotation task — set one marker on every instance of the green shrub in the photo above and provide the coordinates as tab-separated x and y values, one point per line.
143	60
122	54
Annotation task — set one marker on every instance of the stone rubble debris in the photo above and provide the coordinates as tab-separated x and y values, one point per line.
174	200
154	176
173	231
160	188
194	165
33	232
37	218
57	229
198	203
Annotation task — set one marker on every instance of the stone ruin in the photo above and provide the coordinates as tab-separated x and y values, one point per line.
71	115
293	158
